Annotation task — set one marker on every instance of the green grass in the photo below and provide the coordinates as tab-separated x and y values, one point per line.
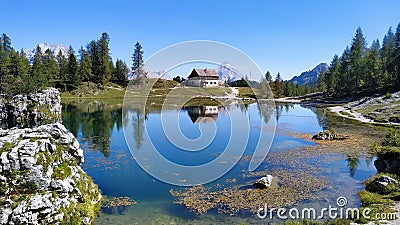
7	146
368	198
61	172
85	91
345	113
247	92
199	101
160	89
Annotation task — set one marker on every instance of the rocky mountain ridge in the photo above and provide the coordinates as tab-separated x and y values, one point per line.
311	76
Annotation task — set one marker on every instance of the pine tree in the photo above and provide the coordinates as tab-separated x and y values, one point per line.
263	89
13	81
321	83
344	77
24	72
105	58
333	75
278	85
94	52
357	53
6	43
51	71
73	79
137	58
62	64
387	57
120	73
85	65
397	58
268	76
373	68
4	66
38	79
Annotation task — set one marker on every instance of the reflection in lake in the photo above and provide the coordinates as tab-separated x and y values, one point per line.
94	122
202	113
98	127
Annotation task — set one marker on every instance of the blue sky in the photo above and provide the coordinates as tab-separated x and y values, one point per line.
281	36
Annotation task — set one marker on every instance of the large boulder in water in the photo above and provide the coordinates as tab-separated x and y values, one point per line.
263	182
326	135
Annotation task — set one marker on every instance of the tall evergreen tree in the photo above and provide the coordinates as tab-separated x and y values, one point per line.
85	65
24	74
137	58
357	53
62	64
14	77
39	80
268	76
120	73
278	85
397	57
6	43
373	68
73	79
332	76
50	67
4	66
105	58
321	83
93	51
387	57
344	78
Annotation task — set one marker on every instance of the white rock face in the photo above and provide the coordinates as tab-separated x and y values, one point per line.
31	110
40	167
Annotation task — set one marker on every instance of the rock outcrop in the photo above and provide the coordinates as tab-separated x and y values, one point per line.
263	182
31	109
382	184
41	181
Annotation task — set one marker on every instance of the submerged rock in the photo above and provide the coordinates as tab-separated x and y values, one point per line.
31	109
263	182
327	135
41	181
117	205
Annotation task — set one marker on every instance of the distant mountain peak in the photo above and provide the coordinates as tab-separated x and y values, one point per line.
55	49
311	76
227	73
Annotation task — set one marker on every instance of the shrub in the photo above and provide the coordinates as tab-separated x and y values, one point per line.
392	138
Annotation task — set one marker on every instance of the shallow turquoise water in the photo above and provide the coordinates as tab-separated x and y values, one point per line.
110	163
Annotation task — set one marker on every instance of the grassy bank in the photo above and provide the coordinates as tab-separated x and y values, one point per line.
156	92
382	191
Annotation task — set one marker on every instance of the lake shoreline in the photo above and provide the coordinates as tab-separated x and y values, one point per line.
376	110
